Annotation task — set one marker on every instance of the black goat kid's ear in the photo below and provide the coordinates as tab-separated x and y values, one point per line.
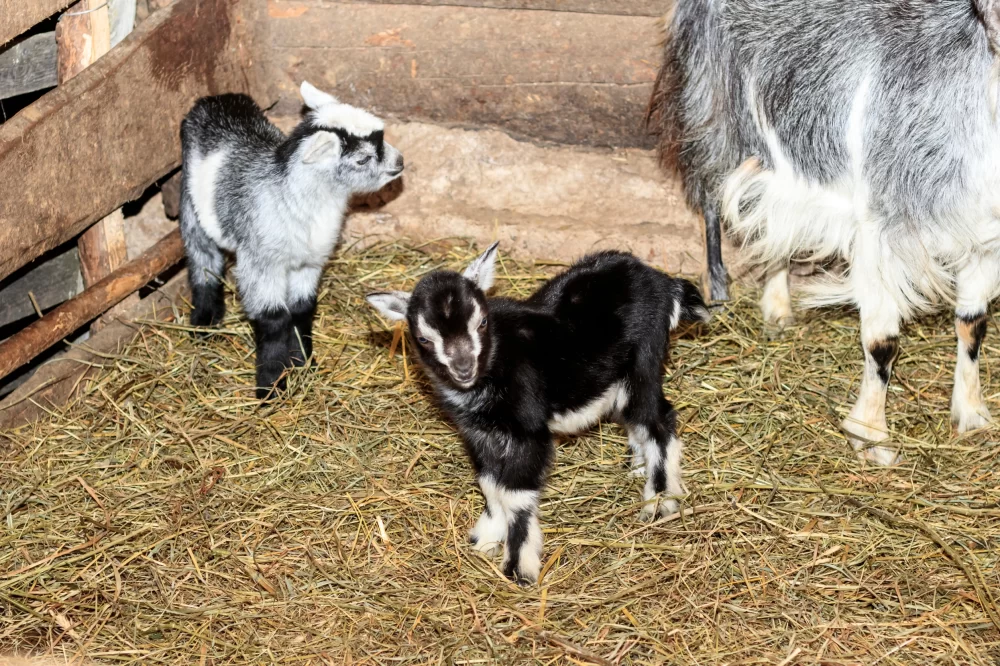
483	269
391	304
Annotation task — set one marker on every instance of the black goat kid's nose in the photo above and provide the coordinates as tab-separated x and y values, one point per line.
463	366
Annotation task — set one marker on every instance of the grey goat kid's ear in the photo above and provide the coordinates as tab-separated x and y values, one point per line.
391	304
321	146
482	270
314	97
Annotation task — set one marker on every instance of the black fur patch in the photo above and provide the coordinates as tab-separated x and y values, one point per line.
517	534
271	331
977	327
302	314
883	352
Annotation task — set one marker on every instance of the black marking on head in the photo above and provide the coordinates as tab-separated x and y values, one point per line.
883	352
447	301
975	330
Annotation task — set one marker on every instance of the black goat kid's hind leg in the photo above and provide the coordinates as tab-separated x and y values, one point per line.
205	263
271	330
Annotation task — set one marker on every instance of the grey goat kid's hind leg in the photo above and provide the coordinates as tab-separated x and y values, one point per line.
205	264
976	284
302	287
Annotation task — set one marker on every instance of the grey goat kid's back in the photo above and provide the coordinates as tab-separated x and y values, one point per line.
855	130
589	344
277	203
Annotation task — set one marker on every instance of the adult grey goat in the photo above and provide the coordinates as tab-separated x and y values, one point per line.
858	130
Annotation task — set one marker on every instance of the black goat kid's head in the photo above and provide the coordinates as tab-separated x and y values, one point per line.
447	315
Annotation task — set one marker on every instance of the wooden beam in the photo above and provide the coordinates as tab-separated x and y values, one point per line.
564	77
620	7
38	336
84	35
99	141
28	65
58	380
18	16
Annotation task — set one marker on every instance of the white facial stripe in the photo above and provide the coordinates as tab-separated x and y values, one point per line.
473	326
425	330
355	121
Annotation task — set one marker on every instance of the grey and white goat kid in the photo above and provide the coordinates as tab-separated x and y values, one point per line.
853	131
589	344
277	203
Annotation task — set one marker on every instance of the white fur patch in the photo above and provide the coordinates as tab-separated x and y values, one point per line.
425	330
351	119
473	328
202	179
776	301
611	401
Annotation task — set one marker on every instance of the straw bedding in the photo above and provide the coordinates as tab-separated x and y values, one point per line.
165	517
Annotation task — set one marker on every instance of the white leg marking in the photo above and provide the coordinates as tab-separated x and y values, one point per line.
976	284
776	301
675	483
968	411
510	503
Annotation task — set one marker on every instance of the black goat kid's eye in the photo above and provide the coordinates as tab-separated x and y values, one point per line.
423	341
482	324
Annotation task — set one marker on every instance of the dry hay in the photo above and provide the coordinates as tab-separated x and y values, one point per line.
166	518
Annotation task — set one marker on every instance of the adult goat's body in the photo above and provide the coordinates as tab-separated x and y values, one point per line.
857	130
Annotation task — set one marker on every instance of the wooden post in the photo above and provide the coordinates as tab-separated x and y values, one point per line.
84	35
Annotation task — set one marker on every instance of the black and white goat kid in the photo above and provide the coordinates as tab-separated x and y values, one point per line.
851	130
277	203
589	344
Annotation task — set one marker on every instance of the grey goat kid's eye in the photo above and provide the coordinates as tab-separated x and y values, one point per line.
364	160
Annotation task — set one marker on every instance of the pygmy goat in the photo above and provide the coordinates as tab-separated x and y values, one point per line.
855	131
277	203
588	345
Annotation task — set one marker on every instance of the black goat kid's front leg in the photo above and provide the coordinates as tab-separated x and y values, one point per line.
300	343
271	329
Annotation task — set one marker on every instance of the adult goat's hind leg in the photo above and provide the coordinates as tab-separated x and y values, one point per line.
716	286
865	425
776	301
976	283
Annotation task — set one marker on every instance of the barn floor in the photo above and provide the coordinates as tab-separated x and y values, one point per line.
166	518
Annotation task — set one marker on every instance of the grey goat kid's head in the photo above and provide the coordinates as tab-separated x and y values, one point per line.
447	315
346	142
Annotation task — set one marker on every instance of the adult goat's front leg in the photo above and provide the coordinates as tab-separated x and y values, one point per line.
976	284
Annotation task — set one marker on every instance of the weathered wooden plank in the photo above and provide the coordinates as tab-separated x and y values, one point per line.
17	16
51	283
28	65
40	335
564	77
57	381
97	142
620	7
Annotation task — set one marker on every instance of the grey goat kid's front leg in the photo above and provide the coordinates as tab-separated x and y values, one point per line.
520	529
302	287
